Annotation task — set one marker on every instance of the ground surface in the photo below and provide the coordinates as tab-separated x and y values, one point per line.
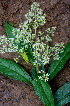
16	93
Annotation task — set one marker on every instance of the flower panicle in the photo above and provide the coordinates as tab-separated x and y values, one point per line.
25	36
44	76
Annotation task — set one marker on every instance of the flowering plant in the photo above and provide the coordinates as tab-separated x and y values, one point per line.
28	41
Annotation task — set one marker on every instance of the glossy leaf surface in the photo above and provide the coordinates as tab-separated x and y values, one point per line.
9	29
62	95
11	69
44	92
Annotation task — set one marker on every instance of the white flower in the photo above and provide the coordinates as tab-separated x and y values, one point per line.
44	76
26	46
54	28
39	72
48	38
46	79
39	77
16	60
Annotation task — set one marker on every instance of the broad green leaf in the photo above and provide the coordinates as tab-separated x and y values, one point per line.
62	95
44	92
11	69
57	65
9	29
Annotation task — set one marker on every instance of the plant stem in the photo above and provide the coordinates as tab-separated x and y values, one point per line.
37	68
35	35
35	23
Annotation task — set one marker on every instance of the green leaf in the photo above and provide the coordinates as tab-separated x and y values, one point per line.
43	90
10	23
9	29
57	65
25	57
34	73
62	95
30	54
41	67
11	69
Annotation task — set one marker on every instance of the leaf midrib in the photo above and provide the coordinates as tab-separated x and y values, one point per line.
45	94
14	71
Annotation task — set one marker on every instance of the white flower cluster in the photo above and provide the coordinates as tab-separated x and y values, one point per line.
42	52
51	31
24	36
7	45
43	75
58	47
36	15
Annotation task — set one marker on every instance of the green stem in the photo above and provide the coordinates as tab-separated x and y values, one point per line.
35	35
37	68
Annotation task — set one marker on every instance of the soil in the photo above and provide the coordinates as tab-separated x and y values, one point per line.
17	93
